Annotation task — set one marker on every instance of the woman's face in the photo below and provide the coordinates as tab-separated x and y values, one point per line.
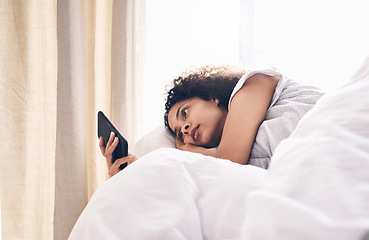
197	121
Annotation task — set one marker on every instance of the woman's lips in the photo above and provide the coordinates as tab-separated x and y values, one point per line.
194	133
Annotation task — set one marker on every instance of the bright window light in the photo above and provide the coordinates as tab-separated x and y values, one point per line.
180	34
316	42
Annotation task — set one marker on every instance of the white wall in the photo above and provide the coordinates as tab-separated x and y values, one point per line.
320	42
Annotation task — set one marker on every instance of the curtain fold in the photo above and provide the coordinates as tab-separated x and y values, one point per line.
71	135
28	81
60	63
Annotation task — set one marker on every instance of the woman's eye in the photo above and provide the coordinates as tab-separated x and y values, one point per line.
184	113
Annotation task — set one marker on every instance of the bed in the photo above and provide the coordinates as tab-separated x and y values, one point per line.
316	187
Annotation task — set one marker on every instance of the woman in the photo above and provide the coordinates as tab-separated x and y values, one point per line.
229	113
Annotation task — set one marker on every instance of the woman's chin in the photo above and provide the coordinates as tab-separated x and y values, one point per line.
209	141
211	144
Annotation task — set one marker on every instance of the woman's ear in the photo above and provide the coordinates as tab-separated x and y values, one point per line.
215	100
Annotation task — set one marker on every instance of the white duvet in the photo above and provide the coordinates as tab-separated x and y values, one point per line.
317	186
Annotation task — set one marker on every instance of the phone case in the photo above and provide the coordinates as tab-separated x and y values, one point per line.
104	128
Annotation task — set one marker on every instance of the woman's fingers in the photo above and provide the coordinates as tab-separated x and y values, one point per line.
114	168
111	144
107	152
131	158
184	146
102	146
109	161
111	138
128	159
179	143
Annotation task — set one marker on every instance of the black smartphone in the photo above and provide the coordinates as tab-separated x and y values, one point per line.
104	128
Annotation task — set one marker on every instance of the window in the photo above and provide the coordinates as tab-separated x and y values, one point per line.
180	34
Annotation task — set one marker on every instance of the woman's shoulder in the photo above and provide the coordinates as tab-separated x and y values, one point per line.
248	75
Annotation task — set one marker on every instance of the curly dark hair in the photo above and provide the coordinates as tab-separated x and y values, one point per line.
208	83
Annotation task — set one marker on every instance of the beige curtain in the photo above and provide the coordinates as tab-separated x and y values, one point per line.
61	62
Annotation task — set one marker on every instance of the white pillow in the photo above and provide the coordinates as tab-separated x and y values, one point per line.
157	138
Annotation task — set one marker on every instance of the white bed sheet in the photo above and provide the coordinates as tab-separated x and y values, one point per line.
317	186
171	194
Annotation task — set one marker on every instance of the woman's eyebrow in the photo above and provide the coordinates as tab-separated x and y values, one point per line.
178	110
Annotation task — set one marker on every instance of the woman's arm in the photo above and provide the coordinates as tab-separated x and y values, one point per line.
245	114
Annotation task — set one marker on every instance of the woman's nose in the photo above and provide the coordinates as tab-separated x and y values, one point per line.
185	128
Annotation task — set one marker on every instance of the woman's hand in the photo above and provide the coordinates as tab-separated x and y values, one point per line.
180	144
113	168
107	152
194	148
185	146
